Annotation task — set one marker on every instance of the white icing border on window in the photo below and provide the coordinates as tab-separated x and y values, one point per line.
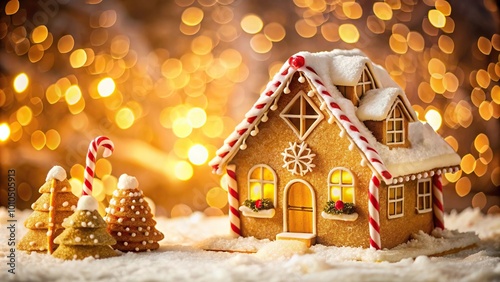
424	195
341	185
396	201
261	181
391	118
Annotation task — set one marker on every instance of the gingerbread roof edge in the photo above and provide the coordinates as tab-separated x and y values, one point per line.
310	65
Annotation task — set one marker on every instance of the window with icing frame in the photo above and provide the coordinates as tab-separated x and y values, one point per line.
365	83
302	115
395	201
395	127
341	184
424	195
262	183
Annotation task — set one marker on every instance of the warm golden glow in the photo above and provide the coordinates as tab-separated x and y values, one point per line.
348	33
198	154
21	82
183	170
124	118
251	24
106	87
4	132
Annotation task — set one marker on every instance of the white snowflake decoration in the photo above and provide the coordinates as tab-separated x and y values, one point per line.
298	158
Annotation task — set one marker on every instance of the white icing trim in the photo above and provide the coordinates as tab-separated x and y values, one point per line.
396	201
300	160
342	217
285	204
262	181
248	212
392	118
424	195
342	185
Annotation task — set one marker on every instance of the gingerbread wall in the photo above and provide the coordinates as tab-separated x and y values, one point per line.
331	151
397	230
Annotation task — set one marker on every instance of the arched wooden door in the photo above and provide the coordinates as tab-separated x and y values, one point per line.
299	207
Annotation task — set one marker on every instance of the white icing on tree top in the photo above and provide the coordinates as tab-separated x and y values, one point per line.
127	182
87	203
56	172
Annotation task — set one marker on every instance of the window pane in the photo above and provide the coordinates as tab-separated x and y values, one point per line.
420	203
399	125
390	125
397	112
255	191
400	192
399	137
335	178
348	195
399	206
269	191
335	193
268	175
392	194
391	208
256	173
346	177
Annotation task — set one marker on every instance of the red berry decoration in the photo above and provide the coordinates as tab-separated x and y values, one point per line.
339	205
258	204
296	62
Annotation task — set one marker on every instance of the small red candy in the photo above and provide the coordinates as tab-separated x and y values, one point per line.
296	62
258	204
339	205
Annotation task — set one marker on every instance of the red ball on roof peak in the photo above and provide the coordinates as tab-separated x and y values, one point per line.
296	61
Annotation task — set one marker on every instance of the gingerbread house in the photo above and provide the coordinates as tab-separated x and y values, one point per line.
333	153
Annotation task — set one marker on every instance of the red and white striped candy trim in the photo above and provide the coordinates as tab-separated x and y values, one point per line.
437	201
233	199
91	159
374	213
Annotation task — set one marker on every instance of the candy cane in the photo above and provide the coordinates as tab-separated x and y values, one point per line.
91	159
437	201
233	199
374	212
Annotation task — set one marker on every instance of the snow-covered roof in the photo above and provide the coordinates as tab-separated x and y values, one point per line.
376	104
323	70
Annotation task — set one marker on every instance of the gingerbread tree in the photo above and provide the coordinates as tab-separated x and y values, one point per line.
56	203
85	234
130	220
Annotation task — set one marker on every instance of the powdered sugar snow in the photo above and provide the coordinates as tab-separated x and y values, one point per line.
181	256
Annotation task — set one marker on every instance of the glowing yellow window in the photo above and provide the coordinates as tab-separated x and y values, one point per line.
262	183
341	185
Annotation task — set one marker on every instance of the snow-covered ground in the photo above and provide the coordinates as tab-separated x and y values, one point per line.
182	257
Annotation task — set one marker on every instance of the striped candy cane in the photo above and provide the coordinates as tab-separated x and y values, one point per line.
233	199
437	201
374	212
91	159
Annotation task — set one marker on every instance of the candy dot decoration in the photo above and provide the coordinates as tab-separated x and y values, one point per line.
130	218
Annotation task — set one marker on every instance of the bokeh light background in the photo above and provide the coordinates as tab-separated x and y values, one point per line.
167	81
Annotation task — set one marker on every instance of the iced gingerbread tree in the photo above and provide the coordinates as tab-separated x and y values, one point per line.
130	220
85	234
56	203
